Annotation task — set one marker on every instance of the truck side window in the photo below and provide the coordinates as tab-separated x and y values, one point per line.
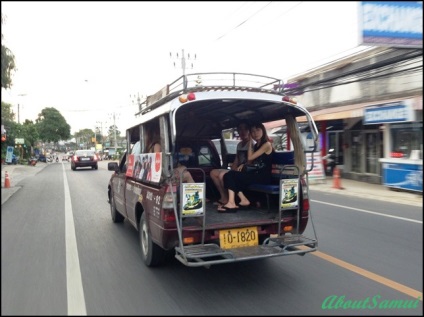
205	156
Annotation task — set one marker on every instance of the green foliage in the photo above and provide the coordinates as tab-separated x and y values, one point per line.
84	137
7	114
30	133
7	117
7	63
111	132
52	126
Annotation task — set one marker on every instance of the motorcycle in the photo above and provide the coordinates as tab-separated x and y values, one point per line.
32	161
331	161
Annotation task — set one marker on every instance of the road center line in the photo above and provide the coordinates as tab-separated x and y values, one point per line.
372	276
75	291
369	212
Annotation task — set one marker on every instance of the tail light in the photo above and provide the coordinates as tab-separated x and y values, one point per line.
305	200
95	158
168	214
75	158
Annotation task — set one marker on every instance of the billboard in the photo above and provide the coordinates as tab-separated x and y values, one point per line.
391	23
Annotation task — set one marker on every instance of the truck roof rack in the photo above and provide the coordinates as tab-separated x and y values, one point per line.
215	81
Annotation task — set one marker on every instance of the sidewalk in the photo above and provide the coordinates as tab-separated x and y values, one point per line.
369	191
351	187
16	174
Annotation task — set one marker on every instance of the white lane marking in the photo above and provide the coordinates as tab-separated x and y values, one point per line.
75	291
369	212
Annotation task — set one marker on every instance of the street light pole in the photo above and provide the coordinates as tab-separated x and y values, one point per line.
114	131
19	116
101	131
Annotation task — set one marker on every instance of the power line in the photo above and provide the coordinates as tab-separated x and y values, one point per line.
240	24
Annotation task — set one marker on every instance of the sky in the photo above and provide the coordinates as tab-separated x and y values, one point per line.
90	60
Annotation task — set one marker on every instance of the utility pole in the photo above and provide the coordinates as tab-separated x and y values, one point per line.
101	132
114	130
19	115
137	100
183	60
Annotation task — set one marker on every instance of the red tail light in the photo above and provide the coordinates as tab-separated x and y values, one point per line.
75	158
306	205
305	194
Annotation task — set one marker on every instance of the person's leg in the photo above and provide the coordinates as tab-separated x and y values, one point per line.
230	184
243	199
217	176
187	178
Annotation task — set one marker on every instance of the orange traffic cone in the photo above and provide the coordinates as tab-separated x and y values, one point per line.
336	179
6	180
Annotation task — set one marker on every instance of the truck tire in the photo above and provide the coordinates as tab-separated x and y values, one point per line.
151	253
116	216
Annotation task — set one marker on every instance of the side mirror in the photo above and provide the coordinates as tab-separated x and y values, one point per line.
113	166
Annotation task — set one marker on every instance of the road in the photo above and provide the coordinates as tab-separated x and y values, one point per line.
62	255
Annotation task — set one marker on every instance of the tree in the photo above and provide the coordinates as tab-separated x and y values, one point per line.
30	133
84	137
111	133
52	126
7	63
7	120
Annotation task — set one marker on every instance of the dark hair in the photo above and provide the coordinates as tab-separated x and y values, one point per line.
245	122
260	125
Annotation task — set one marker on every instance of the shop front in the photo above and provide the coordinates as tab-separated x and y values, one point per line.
401	165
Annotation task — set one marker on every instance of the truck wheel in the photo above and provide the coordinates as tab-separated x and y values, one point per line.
152	254
116	216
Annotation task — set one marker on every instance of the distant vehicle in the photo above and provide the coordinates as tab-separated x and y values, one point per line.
84	158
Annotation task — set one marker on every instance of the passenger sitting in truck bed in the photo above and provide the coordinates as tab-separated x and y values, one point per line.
217	175
187	178
237	181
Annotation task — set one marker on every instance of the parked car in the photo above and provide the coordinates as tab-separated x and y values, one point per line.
84	158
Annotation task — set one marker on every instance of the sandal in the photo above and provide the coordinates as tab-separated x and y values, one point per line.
223	209
219	203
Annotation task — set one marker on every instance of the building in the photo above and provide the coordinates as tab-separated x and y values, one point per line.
368	108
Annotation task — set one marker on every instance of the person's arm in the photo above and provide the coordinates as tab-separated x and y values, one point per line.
157	148
235	164
264	148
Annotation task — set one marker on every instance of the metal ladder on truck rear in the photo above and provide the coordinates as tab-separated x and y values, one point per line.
194	253
296	241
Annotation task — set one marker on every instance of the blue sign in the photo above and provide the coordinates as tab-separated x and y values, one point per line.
389	113
392	23
403	176
9	154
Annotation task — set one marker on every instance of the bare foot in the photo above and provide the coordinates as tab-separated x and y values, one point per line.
244	203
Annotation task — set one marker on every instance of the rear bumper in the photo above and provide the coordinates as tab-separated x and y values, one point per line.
212	254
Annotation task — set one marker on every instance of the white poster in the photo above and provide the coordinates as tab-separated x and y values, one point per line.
192	198
146	166
289	193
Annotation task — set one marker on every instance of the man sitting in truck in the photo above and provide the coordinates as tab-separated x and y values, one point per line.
217	175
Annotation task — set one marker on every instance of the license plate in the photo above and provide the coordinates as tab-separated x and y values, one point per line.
85	159
238	238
